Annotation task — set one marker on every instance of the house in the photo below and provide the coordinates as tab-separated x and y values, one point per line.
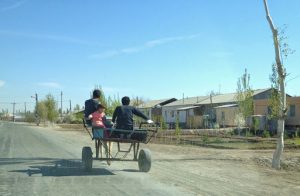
261	107
226	115
293	112
196	112
153	108
183	110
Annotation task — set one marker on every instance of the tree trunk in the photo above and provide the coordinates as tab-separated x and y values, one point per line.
279	146
282	75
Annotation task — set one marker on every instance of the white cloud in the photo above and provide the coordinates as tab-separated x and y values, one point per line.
146	45
47	37
12	6
166	40
49	84
2	83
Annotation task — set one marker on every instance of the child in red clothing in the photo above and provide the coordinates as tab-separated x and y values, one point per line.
98	122
98	117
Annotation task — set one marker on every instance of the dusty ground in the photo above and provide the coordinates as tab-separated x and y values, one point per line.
44	161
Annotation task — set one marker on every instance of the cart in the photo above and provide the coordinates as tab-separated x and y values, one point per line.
143	134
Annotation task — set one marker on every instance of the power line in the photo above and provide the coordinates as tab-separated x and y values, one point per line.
16	102
293	78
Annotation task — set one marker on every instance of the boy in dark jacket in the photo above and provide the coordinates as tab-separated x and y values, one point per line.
123	115
90	105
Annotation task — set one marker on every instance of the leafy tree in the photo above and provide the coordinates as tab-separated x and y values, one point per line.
77	107
29	117
42	112
244	96
137	101
256	125
112	103
102	98
109	102
50	105
274	101
177	129
159	119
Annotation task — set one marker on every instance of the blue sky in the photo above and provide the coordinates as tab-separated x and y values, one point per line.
152	49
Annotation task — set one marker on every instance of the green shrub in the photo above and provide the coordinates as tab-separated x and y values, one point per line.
248	133
205	139
30	117
266	134
286	136
177	130
218	140
297	133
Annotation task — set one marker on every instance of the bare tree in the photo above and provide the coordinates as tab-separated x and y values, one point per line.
281	79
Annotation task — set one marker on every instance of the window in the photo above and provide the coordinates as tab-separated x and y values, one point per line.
172	114
223	116
292	110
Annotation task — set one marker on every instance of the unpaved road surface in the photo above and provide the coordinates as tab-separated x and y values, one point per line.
45	161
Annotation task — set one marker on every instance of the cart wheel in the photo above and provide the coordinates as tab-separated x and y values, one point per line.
144	160
87	158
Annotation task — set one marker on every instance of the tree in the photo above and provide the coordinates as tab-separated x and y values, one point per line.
244	96
112	103
137	101
109	102
42	112
77	107
274	101
50	104
102	98
177	130
282	96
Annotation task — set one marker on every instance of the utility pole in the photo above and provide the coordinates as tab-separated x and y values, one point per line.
14	106
36	108
61	112
70	106
25	111
211	110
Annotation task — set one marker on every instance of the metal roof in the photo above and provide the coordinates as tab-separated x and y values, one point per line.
227	106
205	100
154	103
188	101
187	108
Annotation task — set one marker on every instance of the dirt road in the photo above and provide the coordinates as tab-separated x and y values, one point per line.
41	161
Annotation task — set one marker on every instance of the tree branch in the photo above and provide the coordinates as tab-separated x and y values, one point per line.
276	42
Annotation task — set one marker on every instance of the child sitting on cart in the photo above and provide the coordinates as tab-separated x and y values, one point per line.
98	121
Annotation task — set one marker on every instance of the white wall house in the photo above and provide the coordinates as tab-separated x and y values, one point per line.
181	109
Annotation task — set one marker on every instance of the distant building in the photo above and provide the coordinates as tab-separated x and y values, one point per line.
201	111
261	107
226	115
153	108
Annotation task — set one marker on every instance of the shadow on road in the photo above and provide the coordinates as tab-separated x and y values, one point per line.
130	170
199	159
60	168
36	160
